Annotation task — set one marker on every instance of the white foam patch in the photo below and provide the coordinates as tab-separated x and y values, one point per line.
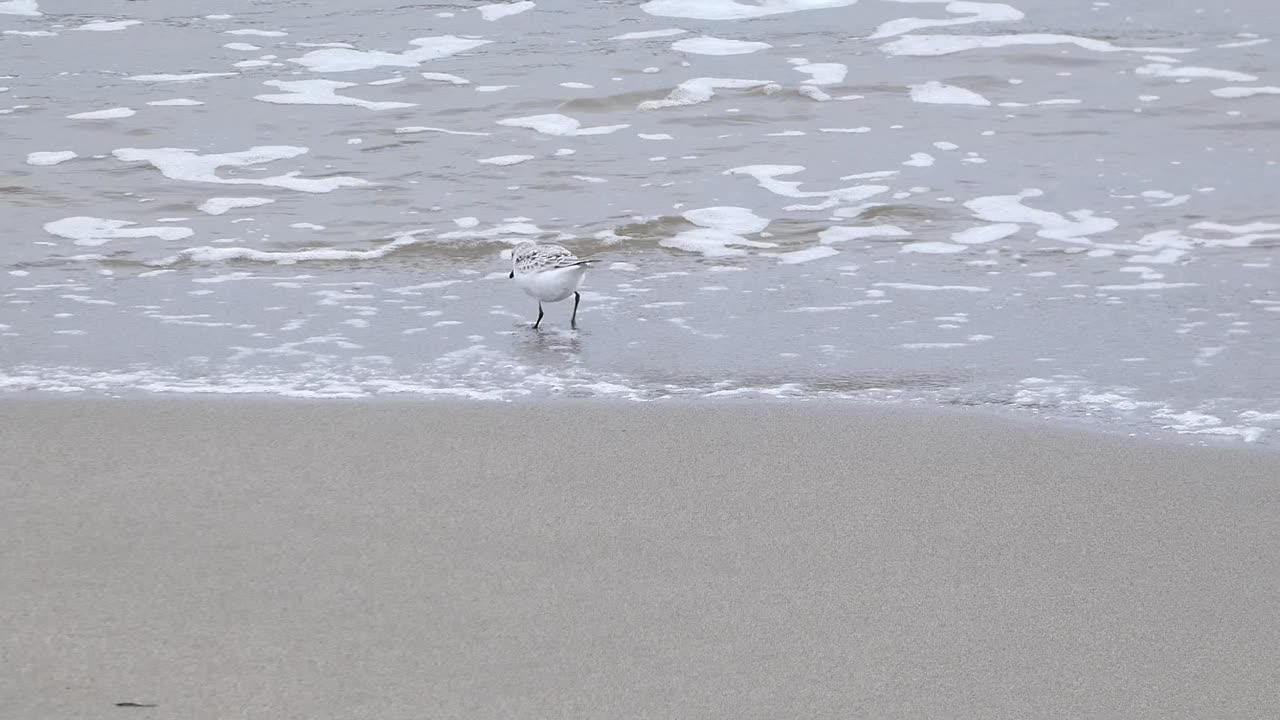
93	231
918	286
920	160
1244	92
208	254
734	10
936	93
767	177
220	205
444	77
796	257
85	299
179	77
1189	71
734	219
1246	229
245	47
985	233
50	157
412	129
700	90
707	45
1247	434
347	60
813	93
1164	198
191	166
176	102
256	33
108	25
20	7
413	289
320	92
1009	209
559	125
719	228
649	34
931	345
932	248
1172	244
1245	43
828	73
935	45
516	227
497	11
839	233
108	114
978	12
504	160
1150	286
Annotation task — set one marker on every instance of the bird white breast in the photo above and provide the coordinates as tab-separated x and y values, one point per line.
552	285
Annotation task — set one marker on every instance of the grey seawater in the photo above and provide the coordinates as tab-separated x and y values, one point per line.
1061	208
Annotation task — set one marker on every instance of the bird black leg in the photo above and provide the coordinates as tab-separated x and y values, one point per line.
573	321
535	323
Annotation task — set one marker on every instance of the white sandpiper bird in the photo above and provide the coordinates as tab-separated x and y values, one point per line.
549	273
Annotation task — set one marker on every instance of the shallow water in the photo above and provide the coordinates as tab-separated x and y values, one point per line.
1065	210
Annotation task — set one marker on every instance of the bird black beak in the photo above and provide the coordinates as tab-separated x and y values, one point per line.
512	276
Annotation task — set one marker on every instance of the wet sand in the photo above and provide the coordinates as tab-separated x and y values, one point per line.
277	559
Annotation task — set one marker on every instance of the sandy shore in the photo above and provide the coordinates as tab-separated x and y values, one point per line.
259	559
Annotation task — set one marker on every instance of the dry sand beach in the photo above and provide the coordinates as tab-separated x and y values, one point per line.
288	559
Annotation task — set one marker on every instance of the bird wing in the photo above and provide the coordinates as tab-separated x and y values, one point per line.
571	261
547	257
